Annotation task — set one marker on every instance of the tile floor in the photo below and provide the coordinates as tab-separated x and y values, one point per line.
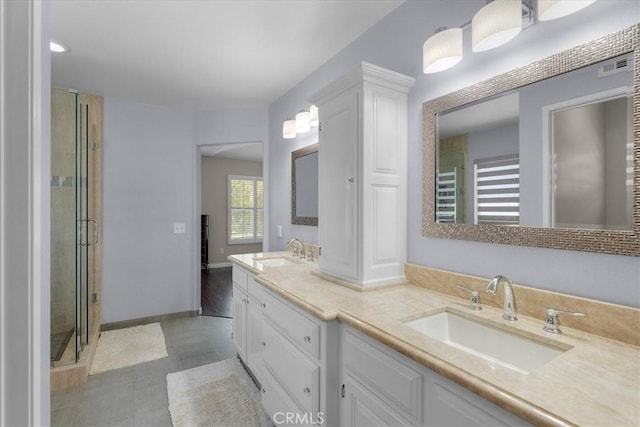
137	395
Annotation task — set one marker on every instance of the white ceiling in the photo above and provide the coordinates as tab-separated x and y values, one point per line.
241	151
202	54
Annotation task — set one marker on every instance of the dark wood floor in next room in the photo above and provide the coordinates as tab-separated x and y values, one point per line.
215	287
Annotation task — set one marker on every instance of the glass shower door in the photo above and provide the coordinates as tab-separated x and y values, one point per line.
86	227
72	232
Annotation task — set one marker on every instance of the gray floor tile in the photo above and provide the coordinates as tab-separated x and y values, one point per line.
64	417
137	395
192	348
153	417
115	376
155	372
203	359
126	422
225	349
153	396
107	404
70	397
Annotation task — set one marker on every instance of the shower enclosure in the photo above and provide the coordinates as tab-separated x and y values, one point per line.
76	154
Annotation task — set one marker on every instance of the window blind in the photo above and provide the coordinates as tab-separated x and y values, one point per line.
245	204
497	191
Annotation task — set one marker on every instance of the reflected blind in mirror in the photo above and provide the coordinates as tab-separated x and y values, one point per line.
497	191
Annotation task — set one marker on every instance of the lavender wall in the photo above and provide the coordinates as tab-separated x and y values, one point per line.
396	43
147	187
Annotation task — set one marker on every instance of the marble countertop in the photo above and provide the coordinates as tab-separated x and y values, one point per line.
595	382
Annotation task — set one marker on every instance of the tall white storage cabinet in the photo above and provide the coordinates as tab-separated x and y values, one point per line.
362	176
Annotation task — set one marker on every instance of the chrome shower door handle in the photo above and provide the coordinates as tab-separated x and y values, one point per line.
95	232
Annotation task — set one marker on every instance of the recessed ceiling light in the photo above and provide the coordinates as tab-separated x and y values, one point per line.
57	47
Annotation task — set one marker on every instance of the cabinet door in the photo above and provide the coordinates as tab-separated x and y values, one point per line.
448	404
254	337
362	408
338	185
240	321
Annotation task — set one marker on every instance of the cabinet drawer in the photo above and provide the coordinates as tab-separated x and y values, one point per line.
302	331
297	374
240	277
256	290
276	401
383	374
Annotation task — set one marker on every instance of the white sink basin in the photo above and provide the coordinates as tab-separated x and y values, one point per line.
275	262
496	345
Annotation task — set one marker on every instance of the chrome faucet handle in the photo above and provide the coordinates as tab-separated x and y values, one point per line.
551	321
295	252
474	301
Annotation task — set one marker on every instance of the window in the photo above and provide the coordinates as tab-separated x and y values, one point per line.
497	190
245	204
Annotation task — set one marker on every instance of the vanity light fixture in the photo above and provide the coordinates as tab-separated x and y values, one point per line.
314	119
497	23
289	128
553	9
303	122
57	47
442	50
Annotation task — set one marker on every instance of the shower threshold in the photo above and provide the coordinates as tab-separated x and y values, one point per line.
59	343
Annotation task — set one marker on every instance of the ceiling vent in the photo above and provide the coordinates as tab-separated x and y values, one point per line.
615	66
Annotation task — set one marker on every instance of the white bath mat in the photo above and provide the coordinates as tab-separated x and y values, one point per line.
218	394
126	347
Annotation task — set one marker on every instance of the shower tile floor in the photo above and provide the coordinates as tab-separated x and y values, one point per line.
137	395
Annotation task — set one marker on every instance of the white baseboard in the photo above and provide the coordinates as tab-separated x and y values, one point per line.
219	265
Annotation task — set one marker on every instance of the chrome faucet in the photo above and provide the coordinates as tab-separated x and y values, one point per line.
509	311
297	251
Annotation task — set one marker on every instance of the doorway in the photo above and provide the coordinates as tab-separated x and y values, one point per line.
231	217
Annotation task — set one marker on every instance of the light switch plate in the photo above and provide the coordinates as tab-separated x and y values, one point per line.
179	228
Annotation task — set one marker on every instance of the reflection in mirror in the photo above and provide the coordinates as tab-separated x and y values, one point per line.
478	163
304	186
592	174
552	174
554	153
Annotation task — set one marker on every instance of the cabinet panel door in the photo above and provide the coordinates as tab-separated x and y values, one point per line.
360	408
338	185
448	404
239	321
240	277
254	338
383	374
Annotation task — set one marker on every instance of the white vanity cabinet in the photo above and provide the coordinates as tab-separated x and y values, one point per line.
300	364
247	320
383	387
362	176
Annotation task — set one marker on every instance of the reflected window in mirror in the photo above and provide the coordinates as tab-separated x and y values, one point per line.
304	186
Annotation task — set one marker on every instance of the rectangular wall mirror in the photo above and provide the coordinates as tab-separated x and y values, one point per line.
304	186
545	155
